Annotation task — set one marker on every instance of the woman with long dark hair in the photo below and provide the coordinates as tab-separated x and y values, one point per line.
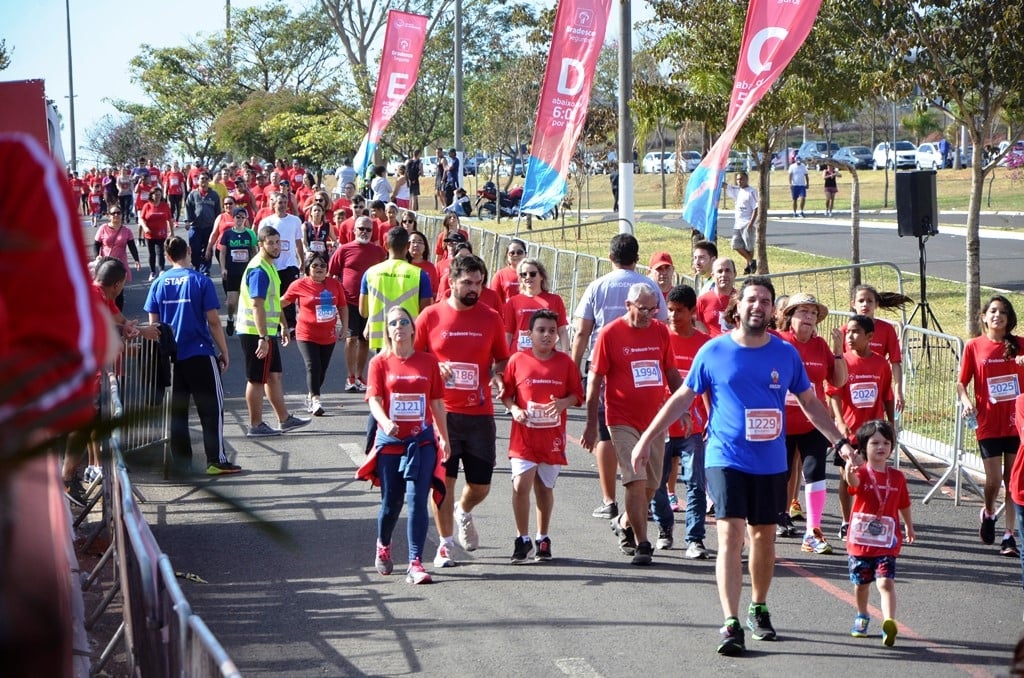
155	220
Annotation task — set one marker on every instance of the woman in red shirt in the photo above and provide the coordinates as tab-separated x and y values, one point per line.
322	311
154	220
174	186
506	281
994	362
451	225
418	253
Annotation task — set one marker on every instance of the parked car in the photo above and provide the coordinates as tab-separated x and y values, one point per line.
655	162
812	151
472	165
928	156
737	163
392	166
858	156
429	166
688	162
905	152
783	159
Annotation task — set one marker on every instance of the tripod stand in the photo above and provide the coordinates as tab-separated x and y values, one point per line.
922	306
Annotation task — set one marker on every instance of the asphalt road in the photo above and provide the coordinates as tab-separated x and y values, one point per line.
312	604
1002	241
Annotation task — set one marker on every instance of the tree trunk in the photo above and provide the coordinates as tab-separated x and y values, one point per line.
761	241
972	305
855	278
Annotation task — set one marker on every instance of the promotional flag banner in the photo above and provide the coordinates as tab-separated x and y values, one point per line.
399	67
565	94
772	34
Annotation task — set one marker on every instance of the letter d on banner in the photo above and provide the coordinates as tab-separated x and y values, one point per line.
570	68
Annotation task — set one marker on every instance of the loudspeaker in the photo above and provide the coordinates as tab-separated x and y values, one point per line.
917	213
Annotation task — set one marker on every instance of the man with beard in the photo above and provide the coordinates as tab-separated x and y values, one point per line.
201	210
259	316
348	264
746	374
468	340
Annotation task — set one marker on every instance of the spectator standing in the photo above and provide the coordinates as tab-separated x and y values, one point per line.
745	205
830	174
452	177
413	172
798	184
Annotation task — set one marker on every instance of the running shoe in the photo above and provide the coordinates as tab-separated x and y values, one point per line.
760	623
383	561
521	550
644	554
627	540
695	550
293	422
152	277
262	430
815	543
416	574
860	626
842	530
606	511
732	638
673	503
543	549
466	535
315	408
222	468
786	528
796	511
230	331
987	531
350	385
889	631
360	386
665	540
1008	547
444	556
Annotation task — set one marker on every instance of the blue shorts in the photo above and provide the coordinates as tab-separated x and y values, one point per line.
798	191
865	569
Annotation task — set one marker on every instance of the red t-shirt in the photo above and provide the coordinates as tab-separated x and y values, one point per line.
820	363
634	361
193	177
506	283
879	495
997	382
868	387
349	262
347	233
77	186
684	349
533	382
431	270
175	182
317	321
710	307
884	341
406	385
241	199
157	218
518	311
471	340
296	175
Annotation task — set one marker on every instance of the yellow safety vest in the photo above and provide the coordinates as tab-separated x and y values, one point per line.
246	323
391	283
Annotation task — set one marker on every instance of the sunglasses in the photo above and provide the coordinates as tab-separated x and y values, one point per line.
529	274
398	322
364	230
408	221
114	213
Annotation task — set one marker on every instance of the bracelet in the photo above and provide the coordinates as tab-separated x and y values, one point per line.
837	356
838	445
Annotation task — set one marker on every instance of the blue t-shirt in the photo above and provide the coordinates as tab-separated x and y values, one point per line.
747	386
258	282
604	300
181	297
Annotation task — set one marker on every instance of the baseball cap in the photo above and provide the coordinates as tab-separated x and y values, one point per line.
659	259
455	237
240	210
284	182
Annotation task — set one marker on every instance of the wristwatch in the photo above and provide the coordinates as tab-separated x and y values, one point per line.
265	338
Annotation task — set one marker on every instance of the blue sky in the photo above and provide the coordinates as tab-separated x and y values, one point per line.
105	35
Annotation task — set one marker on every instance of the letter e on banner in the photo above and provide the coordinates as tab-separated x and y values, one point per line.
397	86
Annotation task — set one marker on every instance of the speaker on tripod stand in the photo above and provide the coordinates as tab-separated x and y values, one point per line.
917	216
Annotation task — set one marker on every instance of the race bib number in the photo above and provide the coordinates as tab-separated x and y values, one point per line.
240	256
317	246
535	417
525	342
143	196
174	181
646	373
864	395
286	245
867	529
464	377
407	407
326	313
1003	388
763	424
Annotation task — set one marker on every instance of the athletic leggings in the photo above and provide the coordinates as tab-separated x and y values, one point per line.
156	255
175	201
317	358
813	448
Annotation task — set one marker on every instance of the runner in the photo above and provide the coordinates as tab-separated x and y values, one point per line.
237	246
533	295
506	281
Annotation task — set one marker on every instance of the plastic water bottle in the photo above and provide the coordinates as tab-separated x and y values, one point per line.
971	421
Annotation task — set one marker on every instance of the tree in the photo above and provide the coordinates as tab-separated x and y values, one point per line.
5	55
920	123
122	139
964	56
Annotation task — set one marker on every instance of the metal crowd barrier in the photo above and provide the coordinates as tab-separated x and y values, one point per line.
162	637
146	403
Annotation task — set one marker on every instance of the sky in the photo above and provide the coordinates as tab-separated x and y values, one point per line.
105	35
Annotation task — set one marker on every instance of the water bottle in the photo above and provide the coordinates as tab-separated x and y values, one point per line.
971	421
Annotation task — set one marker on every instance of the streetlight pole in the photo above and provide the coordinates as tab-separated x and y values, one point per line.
625	120
458	89
71	91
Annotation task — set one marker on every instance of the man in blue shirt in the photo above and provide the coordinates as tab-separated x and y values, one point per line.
187	301
746	373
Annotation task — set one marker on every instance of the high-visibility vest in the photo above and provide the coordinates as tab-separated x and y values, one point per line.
394	282
246	323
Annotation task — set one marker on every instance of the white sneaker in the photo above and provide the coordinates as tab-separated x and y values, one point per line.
315	408
467	535
444	556
695	550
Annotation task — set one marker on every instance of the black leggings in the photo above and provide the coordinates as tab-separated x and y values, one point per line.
175	201
813	447
317	358
125	203
156	255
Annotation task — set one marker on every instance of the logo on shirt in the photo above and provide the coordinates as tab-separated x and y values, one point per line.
775	379
632	350
446	334
530	381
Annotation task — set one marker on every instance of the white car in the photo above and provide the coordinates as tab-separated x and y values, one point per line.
928	156
689	162
906	155
655	162
429	164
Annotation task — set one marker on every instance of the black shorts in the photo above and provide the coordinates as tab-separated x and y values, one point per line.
813	447
759	499
414	187
473	442
258	371
232	282
997	447
356	322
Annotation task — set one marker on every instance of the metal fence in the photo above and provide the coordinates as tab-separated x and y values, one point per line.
144	397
